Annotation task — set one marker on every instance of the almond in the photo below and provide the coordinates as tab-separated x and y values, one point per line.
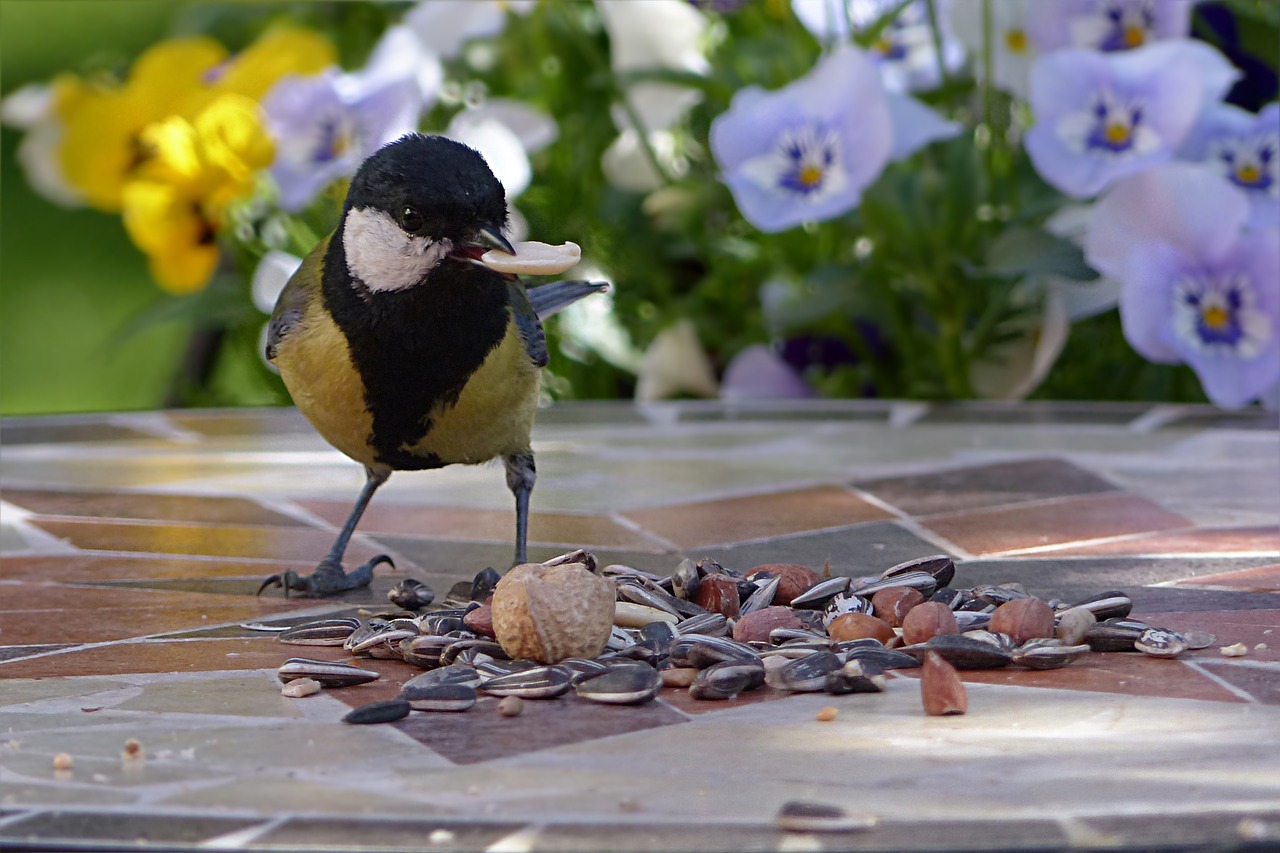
755	627
480	620
719	594
793	579
928	620
941	690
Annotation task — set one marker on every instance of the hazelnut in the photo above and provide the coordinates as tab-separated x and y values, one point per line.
1023	619
551	612
480	620
928	620
858	626
941	689
756	626
793	579
893	604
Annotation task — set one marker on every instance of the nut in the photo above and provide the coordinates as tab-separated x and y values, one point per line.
480	620
1073	625
132	750
793	579
827	714
756	626
719	594
510	706
893	604
858	626
63	761
300	687
1023	619
678	676
549	613
928	620
941	690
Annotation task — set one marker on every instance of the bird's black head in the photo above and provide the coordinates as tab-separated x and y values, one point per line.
414	204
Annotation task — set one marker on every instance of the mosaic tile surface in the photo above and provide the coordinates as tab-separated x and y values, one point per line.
133	545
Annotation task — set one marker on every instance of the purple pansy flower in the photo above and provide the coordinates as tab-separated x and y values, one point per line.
1100	117
326	125
1245	149
904	50
1107	25
807	151
1197	286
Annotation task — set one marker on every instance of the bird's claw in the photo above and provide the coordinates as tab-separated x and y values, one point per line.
328	578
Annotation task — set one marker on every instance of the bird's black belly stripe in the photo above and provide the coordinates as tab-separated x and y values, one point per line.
416	348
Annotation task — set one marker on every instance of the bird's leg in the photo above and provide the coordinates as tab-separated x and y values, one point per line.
521	475
329	578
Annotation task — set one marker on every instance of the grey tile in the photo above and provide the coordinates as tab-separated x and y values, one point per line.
864	549
1196	831
444	836
1050	577
455	561
1246	419
11	652
97	829
1034	412
41	431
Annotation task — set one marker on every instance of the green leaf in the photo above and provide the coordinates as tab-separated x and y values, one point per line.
1022	251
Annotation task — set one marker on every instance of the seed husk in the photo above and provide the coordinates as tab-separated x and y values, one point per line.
439	697
630	684
543	682
379	712
819	817
328	673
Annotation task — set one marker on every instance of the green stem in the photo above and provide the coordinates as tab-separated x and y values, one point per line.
943	74
953	360
650	154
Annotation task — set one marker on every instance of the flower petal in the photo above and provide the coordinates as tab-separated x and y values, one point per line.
756	373
1179	204
1146	300
915	125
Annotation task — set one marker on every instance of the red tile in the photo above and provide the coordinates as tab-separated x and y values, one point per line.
147	506
1128	673
757	516
1261	579
104	567
213	540
153	656
1262	684
1250	627
577	531
52	613
985	486
1202	541
1057	522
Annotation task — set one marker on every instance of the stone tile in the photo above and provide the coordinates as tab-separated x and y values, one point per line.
246	422
1018	528
1258	630
318	832
680	699
212	540
865	549
99	568
446	560
1252	419
573	531
1261	683
1038	412
151	656
102	614
148	506
757	516
1052	576
964	489
1220	830
103	827
1221	540
482	734
38	797
46	431
11	652
1261	579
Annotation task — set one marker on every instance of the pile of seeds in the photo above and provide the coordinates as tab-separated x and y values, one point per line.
719	633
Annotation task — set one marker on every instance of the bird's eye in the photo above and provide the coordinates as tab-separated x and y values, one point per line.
411	220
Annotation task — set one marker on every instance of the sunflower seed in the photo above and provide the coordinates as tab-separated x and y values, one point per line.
327	672
630	684
439	697
379	712
542	682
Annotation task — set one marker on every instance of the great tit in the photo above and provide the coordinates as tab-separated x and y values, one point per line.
401	347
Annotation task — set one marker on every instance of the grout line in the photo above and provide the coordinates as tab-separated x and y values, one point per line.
1223	683
623	521
913	525
244	837
1156	417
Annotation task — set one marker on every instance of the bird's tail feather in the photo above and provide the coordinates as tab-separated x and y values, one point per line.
547	299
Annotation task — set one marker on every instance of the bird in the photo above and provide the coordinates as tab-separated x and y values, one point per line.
402	347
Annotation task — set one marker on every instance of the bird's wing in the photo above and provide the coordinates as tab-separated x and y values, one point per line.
294	298
535	339
547	299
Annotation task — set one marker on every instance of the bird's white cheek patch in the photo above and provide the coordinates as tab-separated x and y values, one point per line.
382	256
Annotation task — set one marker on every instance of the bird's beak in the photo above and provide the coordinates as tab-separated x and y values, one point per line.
490	237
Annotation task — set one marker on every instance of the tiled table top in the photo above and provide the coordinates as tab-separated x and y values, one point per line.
132	545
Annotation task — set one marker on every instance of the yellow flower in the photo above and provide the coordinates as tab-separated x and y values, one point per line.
104	124
174	206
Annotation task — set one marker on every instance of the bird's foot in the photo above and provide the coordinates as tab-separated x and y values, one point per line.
328	578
